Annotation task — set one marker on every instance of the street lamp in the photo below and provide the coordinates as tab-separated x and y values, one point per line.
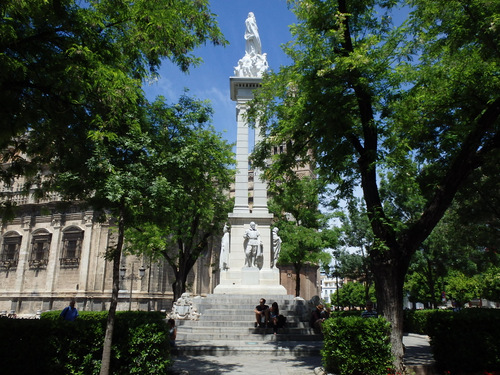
132	277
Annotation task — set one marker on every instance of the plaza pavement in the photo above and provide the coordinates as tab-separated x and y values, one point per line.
267	359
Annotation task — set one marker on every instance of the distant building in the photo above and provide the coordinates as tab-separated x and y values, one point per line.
328	287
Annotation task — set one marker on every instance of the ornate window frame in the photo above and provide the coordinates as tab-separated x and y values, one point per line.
40	248
11	245
71	246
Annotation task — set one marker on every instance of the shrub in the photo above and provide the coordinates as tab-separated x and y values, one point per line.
416	321
55	346
345	313
466	341
356	346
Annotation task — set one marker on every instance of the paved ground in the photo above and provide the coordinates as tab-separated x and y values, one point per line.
417	355
247	365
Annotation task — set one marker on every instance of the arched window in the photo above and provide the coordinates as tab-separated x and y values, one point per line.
72	246
11	243
40	246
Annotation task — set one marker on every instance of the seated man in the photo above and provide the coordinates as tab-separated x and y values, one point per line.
261	310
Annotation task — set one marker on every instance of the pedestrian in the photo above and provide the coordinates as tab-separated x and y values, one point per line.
172	332
369	312
70	313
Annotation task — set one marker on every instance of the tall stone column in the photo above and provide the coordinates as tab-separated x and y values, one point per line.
241	180
240	277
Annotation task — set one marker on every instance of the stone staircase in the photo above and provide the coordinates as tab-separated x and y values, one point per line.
226	326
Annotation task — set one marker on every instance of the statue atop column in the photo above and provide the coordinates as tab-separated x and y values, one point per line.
254	63
253	45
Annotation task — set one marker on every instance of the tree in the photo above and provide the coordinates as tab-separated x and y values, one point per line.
417	103
459	243
63	63
301	245
353	294
70	76
461	288
491	284
295	204
357	234
186	202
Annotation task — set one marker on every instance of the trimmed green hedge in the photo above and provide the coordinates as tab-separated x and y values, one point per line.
465	341
345	313
415	321
356	346
54	346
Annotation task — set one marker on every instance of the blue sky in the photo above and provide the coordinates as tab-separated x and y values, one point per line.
210	80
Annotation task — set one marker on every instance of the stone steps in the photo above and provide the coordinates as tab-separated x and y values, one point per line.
272	346
226	326
241	324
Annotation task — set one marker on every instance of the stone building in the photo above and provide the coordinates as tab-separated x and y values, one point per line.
49	255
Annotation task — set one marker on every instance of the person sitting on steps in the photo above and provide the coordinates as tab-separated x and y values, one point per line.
274	313
317	319
261	310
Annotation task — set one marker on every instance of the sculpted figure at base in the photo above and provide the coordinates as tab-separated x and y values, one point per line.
253	248
224	250
276	247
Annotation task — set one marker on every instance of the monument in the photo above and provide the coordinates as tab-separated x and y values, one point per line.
248	265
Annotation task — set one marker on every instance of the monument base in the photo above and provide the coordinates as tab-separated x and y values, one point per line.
251	280
260	290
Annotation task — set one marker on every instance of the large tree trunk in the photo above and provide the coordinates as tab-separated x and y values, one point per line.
108	338
179	285
389	279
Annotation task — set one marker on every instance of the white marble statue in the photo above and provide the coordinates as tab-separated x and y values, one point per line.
253	247
276	247
253	45
254	63
224	250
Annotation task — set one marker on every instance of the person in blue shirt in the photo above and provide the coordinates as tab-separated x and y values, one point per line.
70	313
369	312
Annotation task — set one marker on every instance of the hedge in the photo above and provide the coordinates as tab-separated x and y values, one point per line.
465	341
356	346
54	346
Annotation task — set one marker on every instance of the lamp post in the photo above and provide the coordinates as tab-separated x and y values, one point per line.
132	277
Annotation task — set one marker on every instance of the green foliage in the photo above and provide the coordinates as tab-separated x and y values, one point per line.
356	346
466	341
66	66
59	347
417	321
461	288
295	204
491	284
352	294
300	244
455	258
188	173
345	313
